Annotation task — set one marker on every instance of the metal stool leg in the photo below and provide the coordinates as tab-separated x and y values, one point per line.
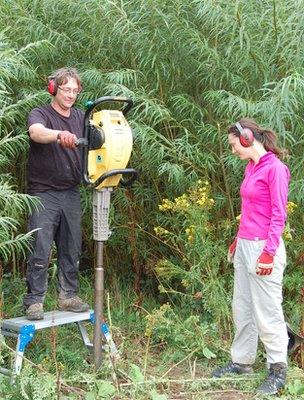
18	357
84	335
107	335
25	336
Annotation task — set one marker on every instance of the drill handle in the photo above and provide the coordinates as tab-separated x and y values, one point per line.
131	172
91	104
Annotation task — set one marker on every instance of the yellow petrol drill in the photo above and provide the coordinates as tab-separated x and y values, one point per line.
107	145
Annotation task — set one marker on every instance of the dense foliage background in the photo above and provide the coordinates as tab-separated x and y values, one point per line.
192	68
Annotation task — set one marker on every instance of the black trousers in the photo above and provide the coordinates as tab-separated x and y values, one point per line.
59	220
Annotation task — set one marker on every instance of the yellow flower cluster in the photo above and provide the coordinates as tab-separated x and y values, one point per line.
181	202
185	283
155	317
160	231
161	289
165	269
197	195
190	233
166	205
287	233
291	207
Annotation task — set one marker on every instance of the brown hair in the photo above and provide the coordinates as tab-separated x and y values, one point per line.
62	75
265	136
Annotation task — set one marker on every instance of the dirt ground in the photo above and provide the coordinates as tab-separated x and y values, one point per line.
214	395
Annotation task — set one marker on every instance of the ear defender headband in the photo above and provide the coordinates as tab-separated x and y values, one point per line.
52	87
246	135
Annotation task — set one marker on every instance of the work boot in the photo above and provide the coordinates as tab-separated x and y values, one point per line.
34	312
275	380
74	304
232	368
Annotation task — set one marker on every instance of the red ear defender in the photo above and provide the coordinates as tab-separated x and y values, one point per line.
246	135
52	87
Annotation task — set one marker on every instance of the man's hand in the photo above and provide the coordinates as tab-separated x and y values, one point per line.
67	139
264	264
231	251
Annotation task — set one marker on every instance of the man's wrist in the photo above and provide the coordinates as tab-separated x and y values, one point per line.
58	136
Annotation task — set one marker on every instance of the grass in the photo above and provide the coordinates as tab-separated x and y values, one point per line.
59	366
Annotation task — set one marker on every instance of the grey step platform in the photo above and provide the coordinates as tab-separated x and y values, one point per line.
24	330
51	318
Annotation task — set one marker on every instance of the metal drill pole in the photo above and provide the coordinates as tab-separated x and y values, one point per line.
98	306
101	233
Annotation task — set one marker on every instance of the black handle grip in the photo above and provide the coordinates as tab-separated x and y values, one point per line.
81	142
113	172
91	104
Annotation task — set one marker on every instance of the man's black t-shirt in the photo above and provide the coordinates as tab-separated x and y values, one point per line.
50	166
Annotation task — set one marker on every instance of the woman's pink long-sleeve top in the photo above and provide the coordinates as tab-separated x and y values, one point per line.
264	192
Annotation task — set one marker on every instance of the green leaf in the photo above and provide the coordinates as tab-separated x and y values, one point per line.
90	396
296	387
208	353
136	374
105	389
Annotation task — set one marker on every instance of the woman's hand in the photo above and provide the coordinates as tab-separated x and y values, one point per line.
231	251
264	264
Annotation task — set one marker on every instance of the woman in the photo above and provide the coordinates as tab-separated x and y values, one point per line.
259	257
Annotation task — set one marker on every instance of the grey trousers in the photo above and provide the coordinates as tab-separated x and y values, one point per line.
59	220
257	305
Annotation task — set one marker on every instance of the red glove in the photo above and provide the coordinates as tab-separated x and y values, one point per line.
231	251
67	139
264	264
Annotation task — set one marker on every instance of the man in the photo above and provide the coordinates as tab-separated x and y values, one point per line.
54	173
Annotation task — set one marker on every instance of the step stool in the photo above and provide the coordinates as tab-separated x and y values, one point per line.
24	330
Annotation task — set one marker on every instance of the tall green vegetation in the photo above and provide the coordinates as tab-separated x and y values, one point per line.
192	68
13	205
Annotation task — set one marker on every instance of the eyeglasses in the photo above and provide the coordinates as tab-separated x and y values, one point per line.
75	92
